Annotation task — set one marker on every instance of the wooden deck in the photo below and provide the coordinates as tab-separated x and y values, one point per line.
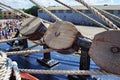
89	31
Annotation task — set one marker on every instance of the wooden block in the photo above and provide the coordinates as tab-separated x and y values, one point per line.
60	35
105	51
31	28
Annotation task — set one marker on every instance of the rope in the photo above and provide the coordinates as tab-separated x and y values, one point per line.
29	52
112	15
8	69
64	72
48	12
96	22
94	11
3	60
7	40
16	71
109	15
6	66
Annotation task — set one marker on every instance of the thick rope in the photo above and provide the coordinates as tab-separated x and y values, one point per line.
12	39
30	15
89	18
64	72
94	11
16	70
109	15
29	52
6	67
55	72
3	68
112	15
48	12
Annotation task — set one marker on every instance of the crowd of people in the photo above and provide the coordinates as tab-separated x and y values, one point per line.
9	27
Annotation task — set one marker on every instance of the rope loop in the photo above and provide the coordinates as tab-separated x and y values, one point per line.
6	67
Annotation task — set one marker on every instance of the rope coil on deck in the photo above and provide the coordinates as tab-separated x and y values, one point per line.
6	67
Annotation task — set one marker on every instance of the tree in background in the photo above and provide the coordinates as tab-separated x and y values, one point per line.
33	11
0	15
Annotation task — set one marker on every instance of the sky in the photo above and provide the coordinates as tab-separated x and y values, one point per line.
20	4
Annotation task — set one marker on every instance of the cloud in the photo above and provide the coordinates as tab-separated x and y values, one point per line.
73	2
91	1
17	3
101	2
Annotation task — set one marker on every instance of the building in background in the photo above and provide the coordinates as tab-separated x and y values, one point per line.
10	14
69	15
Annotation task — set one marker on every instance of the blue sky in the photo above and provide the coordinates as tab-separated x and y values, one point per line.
27	3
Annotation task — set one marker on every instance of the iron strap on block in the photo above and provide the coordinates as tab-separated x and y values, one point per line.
83	43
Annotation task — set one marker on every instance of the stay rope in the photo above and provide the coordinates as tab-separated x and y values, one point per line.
97	13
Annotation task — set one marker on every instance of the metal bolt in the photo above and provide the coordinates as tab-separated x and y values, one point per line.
57	33
115	49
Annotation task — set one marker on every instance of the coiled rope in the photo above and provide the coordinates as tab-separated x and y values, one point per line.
97	13
6	67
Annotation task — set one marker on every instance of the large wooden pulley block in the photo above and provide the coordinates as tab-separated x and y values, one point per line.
105	51
32	27
60	35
